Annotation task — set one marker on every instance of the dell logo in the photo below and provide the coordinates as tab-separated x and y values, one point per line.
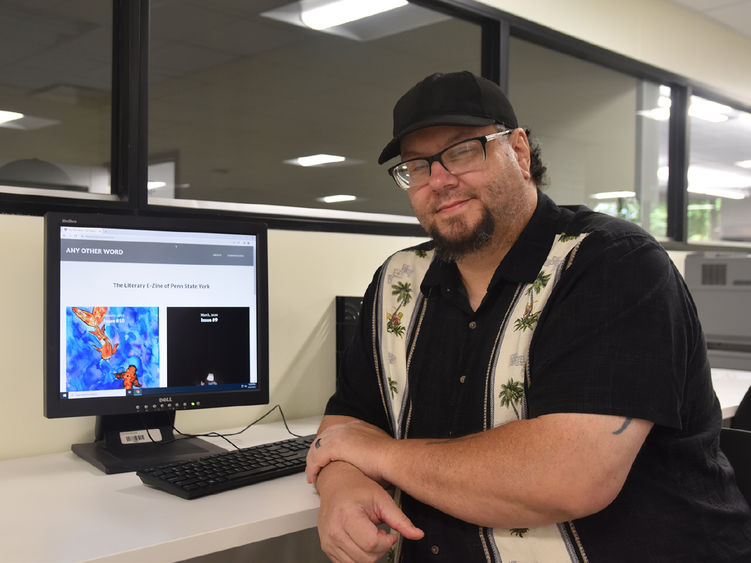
165	399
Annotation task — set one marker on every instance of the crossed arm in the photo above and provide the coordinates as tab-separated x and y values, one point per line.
526	473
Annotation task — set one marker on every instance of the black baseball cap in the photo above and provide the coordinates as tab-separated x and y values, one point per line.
456	98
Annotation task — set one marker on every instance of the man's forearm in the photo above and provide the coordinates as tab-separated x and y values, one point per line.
477	480
524	474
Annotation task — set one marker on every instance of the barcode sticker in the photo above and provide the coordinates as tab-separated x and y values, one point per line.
138	436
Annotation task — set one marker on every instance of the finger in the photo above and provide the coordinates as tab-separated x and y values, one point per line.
344	548
369	540
391	515
313	466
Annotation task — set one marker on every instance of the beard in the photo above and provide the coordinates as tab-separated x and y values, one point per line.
452	248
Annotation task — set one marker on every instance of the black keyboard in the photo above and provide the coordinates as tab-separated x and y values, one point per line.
215	473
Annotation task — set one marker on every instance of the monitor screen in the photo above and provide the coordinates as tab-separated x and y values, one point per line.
147	316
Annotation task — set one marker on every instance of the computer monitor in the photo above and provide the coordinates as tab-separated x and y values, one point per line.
146	316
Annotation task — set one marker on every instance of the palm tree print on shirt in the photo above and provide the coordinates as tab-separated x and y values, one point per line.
529	319
403	292
511	395
393	387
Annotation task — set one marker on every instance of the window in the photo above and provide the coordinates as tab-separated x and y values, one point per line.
719	172
600	140
235	109
55	97
248	110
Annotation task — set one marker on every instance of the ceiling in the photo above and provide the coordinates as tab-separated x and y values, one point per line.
735	14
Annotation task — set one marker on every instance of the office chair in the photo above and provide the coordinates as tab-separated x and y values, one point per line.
736	445
742	417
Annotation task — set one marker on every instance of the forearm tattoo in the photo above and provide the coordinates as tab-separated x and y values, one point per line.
623	426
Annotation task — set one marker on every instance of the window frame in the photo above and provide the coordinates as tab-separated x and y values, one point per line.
129	135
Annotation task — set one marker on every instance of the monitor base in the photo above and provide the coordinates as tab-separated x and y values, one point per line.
129	442
131	457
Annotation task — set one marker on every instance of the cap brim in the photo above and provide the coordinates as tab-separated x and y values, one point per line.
392	149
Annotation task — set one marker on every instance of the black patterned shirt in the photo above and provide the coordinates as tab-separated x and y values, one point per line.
620	336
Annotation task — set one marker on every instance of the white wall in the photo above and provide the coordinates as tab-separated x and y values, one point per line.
656	32
307	270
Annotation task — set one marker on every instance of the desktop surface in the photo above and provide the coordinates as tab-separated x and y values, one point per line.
60	508
730	385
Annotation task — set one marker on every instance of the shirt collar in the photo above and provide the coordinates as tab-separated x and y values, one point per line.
522	263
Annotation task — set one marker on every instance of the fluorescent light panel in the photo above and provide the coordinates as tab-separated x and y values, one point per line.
717	192
316	160
613	195
6	116
331	14
339	198
713	182
699	108
708	110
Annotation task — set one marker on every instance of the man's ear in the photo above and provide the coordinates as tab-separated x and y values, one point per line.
520	145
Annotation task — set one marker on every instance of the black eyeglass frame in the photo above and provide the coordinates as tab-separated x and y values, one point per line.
438	157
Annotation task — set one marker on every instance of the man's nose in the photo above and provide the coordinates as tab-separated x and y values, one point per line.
440	176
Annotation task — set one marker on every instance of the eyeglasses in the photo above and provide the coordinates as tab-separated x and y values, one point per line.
459	158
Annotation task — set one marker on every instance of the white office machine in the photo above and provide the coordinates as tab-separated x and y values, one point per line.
720	284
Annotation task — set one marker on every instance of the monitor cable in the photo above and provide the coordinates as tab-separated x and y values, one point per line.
225	437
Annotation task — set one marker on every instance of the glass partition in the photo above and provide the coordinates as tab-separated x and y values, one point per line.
603	134
55	97
258	108
719	173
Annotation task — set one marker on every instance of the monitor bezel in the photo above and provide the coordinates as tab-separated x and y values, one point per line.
56	407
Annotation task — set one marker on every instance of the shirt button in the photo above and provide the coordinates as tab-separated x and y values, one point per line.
473	325
434	549
462	379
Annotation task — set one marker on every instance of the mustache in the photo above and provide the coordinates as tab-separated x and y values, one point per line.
452	197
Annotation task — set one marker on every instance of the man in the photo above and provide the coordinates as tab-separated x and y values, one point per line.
533	382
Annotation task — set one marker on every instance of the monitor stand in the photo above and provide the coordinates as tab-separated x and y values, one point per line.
121	443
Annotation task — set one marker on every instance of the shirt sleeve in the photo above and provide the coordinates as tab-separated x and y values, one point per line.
619	335
357	391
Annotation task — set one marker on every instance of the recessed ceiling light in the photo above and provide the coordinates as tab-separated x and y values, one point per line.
713	181
316	160
727	193
155	185
658	114
6	116
699	108
613	195
359	20
339	198
744	163
709	110
331	14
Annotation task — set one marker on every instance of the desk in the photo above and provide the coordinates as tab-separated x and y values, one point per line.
58	508
730	385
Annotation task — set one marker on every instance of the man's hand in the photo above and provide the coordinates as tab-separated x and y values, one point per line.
357	442
352	508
